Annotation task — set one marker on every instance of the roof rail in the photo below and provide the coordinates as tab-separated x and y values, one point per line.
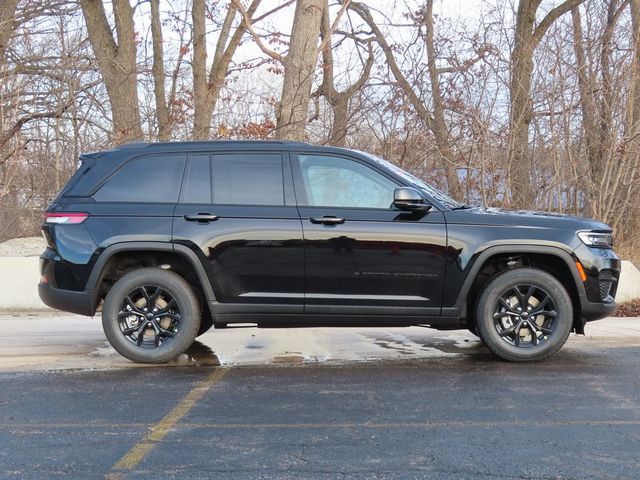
206	142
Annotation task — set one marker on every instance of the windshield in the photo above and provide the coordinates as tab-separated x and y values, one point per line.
443	198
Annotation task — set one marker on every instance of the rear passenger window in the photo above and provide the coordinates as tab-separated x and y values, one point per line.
197	184
154	179
247	179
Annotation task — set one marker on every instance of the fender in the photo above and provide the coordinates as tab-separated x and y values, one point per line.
97	273
459	308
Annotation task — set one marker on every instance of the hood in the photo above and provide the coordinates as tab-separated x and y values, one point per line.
524	218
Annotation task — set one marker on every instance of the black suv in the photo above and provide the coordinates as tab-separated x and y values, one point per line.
173	238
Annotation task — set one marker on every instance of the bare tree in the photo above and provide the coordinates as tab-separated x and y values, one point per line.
432	116
158	72
117	63
206	89
597	102
338	100
299	66
527	37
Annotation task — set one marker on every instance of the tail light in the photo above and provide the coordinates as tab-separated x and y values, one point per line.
65	218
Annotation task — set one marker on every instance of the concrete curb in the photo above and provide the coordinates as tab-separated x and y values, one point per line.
19	277
629	285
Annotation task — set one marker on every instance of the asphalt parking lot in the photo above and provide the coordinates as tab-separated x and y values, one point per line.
401	403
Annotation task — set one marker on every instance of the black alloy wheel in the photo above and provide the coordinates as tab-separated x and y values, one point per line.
524	314
149	316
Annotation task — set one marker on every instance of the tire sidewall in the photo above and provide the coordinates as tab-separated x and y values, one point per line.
486	309
188	306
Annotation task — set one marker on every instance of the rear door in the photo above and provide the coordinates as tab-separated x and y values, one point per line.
237	213
362	255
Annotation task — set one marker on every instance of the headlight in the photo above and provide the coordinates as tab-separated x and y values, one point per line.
596	239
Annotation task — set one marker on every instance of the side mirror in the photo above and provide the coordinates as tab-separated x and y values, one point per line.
407	198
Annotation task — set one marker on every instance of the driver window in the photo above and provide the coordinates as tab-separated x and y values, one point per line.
340	182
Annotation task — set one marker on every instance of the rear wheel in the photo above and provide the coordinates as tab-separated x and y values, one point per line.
206	322
471	326
151	315
524	315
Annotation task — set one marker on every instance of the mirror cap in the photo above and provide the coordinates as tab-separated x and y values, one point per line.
407	194
408	198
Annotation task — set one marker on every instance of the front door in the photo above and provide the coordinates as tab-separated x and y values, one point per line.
237	212
362	255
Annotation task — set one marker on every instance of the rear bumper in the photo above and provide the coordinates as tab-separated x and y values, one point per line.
67	300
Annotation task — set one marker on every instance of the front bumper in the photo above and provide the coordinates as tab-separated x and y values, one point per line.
67	300
595	310
602	269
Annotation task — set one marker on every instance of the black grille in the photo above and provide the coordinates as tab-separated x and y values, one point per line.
605	288
607	283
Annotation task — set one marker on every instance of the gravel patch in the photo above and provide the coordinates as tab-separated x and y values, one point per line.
23	247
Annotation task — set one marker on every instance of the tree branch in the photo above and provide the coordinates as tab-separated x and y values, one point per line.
551	17
246	18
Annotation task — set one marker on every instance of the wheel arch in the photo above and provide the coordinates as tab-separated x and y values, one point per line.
553	260
181	259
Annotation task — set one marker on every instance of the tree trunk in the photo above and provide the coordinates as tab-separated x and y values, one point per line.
522	189
201	123
7	23
162	110
299	67
117	64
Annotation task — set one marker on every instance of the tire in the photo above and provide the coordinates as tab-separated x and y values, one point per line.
154	338
472	328
501	309
206	322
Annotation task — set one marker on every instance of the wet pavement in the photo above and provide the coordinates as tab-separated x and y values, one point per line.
316	403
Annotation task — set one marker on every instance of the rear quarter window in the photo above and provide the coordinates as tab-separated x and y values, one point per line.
149	179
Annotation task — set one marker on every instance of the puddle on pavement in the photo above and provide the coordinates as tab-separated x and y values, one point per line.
408	345
198	355
397	346
447	345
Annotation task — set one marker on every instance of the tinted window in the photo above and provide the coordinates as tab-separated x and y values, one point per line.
340	182
247	179
145	179
197	184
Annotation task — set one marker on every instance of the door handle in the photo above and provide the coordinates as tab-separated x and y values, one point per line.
327	220
201	218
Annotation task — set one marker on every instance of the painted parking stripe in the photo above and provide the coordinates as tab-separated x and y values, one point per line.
160	430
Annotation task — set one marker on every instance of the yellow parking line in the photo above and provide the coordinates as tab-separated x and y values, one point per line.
141	449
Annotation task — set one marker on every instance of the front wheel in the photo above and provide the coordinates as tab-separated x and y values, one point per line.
524	315
151	315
